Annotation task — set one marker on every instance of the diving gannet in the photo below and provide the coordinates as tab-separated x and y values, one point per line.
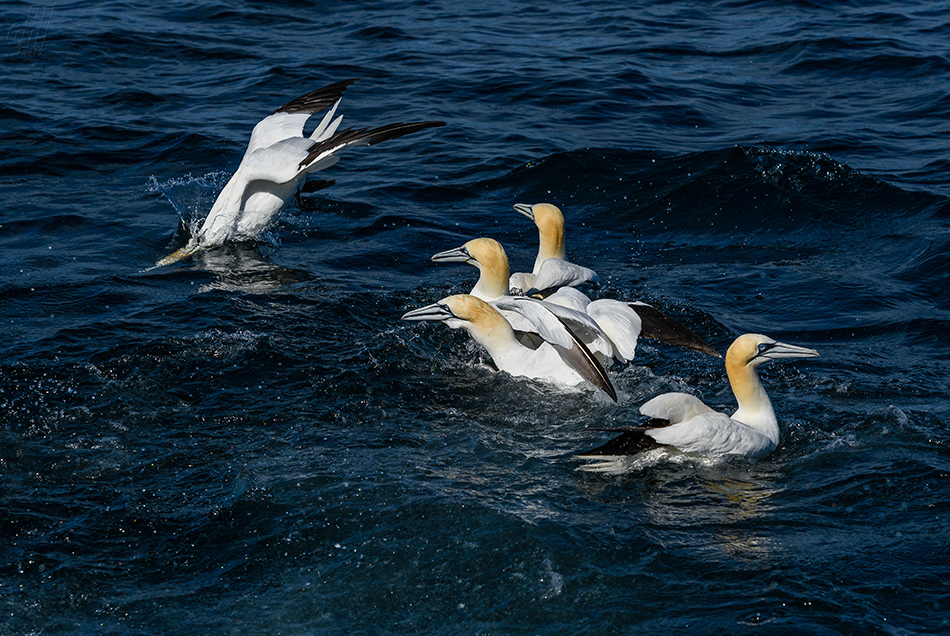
610	328
551	268
561	358
681	421
276	164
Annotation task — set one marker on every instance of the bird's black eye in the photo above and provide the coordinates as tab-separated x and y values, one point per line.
763	347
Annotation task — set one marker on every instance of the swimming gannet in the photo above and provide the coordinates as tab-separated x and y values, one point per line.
552	272
560	358
681	421
551	268
489	257
610	328
276	164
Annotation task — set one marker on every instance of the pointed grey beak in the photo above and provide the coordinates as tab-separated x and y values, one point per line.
434	312
456	255
780	350
525	209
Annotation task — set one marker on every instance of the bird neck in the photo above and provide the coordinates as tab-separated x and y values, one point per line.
494	333
551	243
755	408
492	281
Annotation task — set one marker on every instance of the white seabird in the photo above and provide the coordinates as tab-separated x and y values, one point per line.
551	272
489	257
560	358
551	268
683	422
610	328
276	164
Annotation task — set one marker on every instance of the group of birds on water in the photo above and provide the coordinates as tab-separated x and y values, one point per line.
539	325
532	324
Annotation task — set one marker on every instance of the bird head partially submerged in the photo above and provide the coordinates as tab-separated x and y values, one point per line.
277	161
177	255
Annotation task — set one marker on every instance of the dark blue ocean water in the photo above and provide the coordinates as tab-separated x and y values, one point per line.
253	443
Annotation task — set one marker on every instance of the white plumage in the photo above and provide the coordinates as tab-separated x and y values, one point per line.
683	422
489	257
623	322
551	268
609	328
559	357
276	163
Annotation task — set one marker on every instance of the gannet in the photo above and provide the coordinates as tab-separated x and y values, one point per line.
610	328
276	163
560	358
489	257
682	422
552	272
551	268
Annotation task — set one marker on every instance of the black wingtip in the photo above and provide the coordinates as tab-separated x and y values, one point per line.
394	131
365	137
658	326
314	185
584	362
316	100
631	441
306	204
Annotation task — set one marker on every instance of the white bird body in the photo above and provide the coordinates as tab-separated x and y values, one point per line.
492	262
623	322
683	422
553	273
620	323
560	357
570	297
617	321
276	163
707	432
551	268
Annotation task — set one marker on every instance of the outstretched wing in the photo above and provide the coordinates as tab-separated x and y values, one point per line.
569	297
584	362
278	162
620	323
360	137
535	312
554	330
289	120
536	318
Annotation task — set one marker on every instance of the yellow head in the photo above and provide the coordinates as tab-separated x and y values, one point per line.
490	255
751	350
550	223
463	311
